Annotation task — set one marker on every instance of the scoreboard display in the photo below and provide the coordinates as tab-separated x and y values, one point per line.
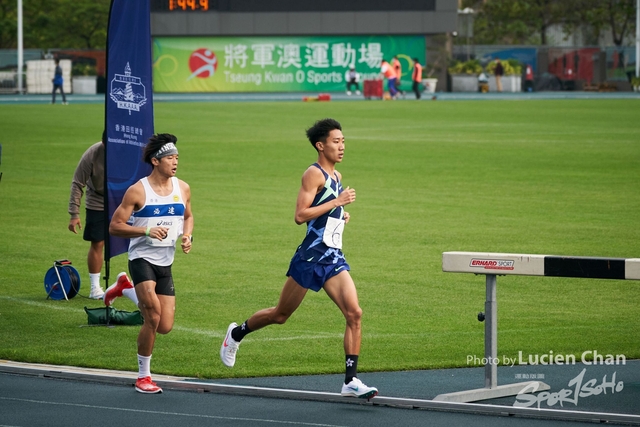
184	5
249	6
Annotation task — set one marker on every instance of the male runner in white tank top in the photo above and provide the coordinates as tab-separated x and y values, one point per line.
161	208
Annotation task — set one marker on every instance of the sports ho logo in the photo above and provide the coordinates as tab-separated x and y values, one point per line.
492	264
203	64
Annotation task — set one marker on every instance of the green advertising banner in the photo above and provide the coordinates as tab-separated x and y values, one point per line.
276	64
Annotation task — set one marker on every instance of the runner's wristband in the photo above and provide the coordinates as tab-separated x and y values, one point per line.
146	233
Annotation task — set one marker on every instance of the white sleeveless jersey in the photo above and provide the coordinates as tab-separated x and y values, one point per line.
165	211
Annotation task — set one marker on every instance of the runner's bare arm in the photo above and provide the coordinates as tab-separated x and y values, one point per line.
133	199
188	217
312	182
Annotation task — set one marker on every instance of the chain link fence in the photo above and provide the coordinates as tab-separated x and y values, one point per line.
9	82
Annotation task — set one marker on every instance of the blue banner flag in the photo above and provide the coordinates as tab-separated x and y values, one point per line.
128	104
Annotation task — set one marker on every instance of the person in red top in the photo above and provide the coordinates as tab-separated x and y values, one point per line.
528	79
388	72
397	67
416	77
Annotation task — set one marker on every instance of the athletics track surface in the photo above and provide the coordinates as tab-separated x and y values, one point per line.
47	395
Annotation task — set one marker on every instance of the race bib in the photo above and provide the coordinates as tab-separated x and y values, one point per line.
172	234
332	236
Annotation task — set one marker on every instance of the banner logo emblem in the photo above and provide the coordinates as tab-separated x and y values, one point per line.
203	63
127	91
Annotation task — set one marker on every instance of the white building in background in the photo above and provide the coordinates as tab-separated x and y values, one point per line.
40	75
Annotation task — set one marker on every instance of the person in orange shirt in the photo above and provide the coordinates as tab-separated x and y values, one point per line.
389	73
397	67
416	77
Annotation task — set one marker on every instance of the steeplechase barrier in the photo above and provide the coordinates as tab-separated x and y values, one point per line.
499	264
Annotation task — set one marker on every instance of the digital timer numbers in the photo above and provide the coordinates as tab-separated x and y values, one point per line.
189	5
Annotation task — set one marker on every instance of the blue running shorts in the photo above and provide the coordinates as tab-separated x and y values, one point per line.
311	275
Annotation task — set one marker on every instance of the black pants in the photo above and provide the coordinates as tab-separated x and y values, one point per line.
416	89
53	94
353	82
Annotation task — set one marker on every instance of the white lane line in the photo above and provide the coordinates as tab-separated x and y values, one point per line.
178	414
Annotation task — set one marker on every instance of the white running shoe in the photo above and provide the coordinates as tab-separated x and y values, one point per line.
229	348
357	389
96	293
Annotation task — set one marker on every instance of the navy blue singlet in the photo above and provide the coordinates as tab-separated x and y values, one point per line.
313	249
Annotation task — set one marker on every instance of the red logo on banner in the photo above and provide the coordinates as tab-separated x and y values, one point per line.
203	63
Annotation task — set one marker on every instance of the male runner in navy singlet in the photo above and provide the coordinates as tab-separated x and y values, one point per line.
318	262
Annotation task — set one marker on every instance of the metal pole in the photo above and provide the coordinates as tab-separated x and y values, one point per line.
469	24
637	38
491	334
64	292
20	47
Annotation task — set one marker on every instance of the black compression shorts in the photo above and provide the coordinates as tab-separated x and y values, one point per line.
142	270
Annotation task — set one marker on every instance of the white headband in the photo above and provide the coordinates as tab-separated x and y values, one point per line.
166	150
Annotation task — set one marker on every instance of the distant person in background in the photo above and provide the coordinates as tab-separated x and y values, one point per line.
483	83
90	174
416	77
353	78
498	72
389	73
528	78
397	67
57	84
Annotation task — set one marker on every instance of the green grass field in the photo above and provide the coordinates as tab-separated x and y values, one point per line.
544	177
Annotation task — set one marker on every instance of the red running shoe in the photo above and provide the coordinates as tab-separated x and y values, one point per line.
114	291
145	385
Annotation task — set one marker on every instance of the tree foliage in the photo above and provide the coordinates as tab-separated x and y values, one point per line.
527	21
8	24
515	21
599	16
50	24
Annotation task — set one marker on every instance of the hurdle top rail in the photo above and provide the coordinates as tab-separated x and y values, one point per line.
541	265
500	264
